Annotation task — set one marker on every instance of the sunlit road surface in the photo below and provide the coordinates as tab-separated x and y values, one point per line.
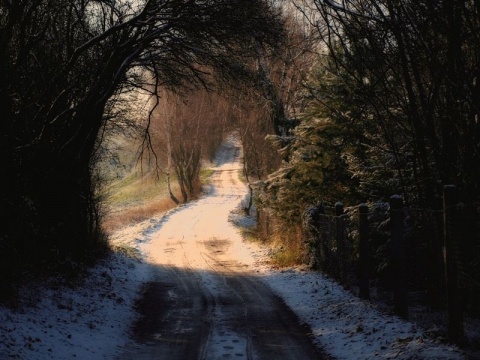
205	301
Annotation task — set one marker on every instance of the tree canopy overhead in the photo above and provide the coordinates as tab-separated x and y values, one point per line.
62	63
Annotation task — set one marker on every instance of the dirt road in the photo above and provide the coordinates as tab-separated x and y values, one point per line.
205	301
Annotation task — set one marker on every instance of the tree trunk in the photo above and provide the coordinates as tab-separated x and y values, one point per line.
170	192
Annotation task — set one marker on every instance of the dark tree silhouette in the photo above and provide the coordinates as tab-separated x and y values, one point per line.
61	63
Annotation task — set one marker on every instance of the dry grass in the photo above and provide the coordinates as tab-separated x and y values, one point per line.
135	198
128	251
139	197
136	187
134	214
251	235
287	245
289	249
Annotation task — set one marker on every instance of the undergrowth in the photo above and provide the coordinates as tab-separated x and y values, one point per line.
288	250
128	251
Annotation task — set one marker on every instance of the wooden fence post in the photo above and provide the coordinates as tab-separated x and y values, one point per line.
364	286
455	314
317	234
322	253
398	256
340	222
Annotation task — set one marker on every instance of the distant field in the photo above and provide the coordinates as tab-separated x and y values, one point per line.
134	192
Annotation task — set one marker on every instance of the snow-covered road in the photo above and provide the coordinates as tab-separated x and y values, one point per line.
204	300
97	318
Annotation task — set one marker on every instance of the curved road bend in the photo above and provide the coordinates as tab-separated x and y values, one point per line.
204	303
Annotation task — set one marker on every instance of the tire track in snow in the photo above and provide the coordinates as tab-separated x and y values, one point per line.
203	302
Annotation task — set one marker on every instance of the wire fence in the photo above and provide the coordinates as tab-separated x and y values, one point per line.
404	249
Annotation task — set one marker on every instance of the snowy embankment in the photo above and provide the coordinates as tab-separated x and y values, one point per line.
59	319
345	326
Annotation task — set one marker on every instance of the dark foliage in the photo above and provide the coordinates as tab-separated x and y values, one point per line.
61	63
391	107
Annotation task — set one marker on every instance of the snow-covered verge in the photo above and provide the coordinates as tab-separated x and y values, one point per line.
349	328
82	319
345	326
